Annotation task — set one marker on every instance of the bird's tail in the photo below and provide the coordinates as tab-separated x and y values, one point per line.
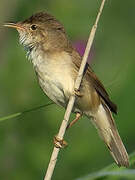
105	124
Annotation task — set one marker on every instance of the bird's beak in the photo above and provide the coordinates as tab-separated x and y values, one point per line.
17	26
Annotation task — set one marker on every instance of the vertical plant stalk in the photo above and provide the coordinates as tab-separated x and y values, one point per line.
70	105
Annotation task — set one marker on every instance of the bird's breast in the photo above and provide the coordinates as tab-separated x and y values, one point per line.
55	77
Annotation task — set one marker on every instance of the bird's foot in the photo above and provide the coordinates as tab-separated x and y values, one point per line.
78	93
59	143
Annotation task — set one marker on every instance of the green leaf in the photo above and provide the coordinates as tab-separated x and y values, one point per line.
26	111
129	173
113	171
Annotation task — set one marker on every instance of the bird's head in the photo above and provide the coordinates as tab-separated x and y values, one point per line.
40	29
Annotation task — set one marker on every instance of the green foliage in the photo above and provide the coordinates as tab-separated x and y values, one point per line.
11	116
113	172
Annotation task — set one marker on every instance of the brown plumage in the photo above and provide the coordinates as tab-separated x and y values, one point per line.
56	64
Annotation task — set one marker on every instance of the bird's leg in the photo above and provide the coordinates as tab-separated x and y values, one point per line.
78	115
59	143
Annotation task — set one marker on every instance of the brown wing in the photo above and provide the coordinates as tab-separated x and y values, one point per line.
101	90
96	82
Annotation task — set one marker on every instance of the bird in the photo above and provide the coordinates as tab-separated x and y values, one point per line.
56	63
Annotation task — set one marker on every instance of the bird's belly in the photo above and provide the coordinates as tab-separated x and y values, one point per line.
52	90
58	86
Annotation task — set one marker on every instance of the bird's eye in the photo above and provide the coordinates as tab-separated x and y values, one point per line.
33	27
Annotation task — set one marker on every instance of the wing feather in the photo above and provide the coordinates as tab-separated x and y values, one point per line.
94	81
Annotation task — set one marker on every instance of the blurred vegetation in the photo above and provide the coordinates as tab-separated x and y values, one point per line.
113	172
26	141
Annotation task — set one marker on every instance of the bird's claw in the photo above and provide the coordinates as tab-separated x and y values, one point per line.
59	143
78	93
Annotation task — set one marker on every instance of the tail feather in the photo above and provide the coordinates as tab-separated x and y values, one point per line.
105	124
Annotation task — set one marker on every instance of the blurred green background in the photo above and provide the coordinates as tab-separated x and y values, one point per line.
26	142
